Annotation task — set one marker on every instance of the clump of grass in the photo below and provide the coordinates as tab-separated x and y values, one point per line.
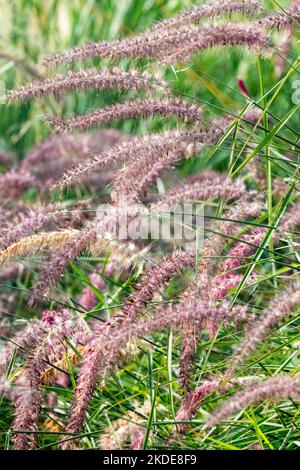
210	297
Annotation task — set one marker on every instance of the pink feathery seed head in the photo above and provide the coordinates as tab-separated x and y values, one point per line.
57	327
95	182
129	148
205	176
152	281
194	310
78	53
48	317
215	36
281	20
84	390
113	266
291	219
137	440
283	46
282	305
4	215
189	342
190	336
151	156
242	210
224	284
104	351
88	80
60	261
148	286
23	341
188	311
252	115
208	10
189	407
32	337
254	169
205	313
27	406
276	388
203	190
136	190
219	289
129	110
163	148
14	183
247	245
31	221
148	44
140	173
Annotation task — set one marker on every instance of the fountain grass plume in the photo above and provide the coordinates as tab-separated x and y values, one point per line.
162	36
281	306
275	389
131	109
91	79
